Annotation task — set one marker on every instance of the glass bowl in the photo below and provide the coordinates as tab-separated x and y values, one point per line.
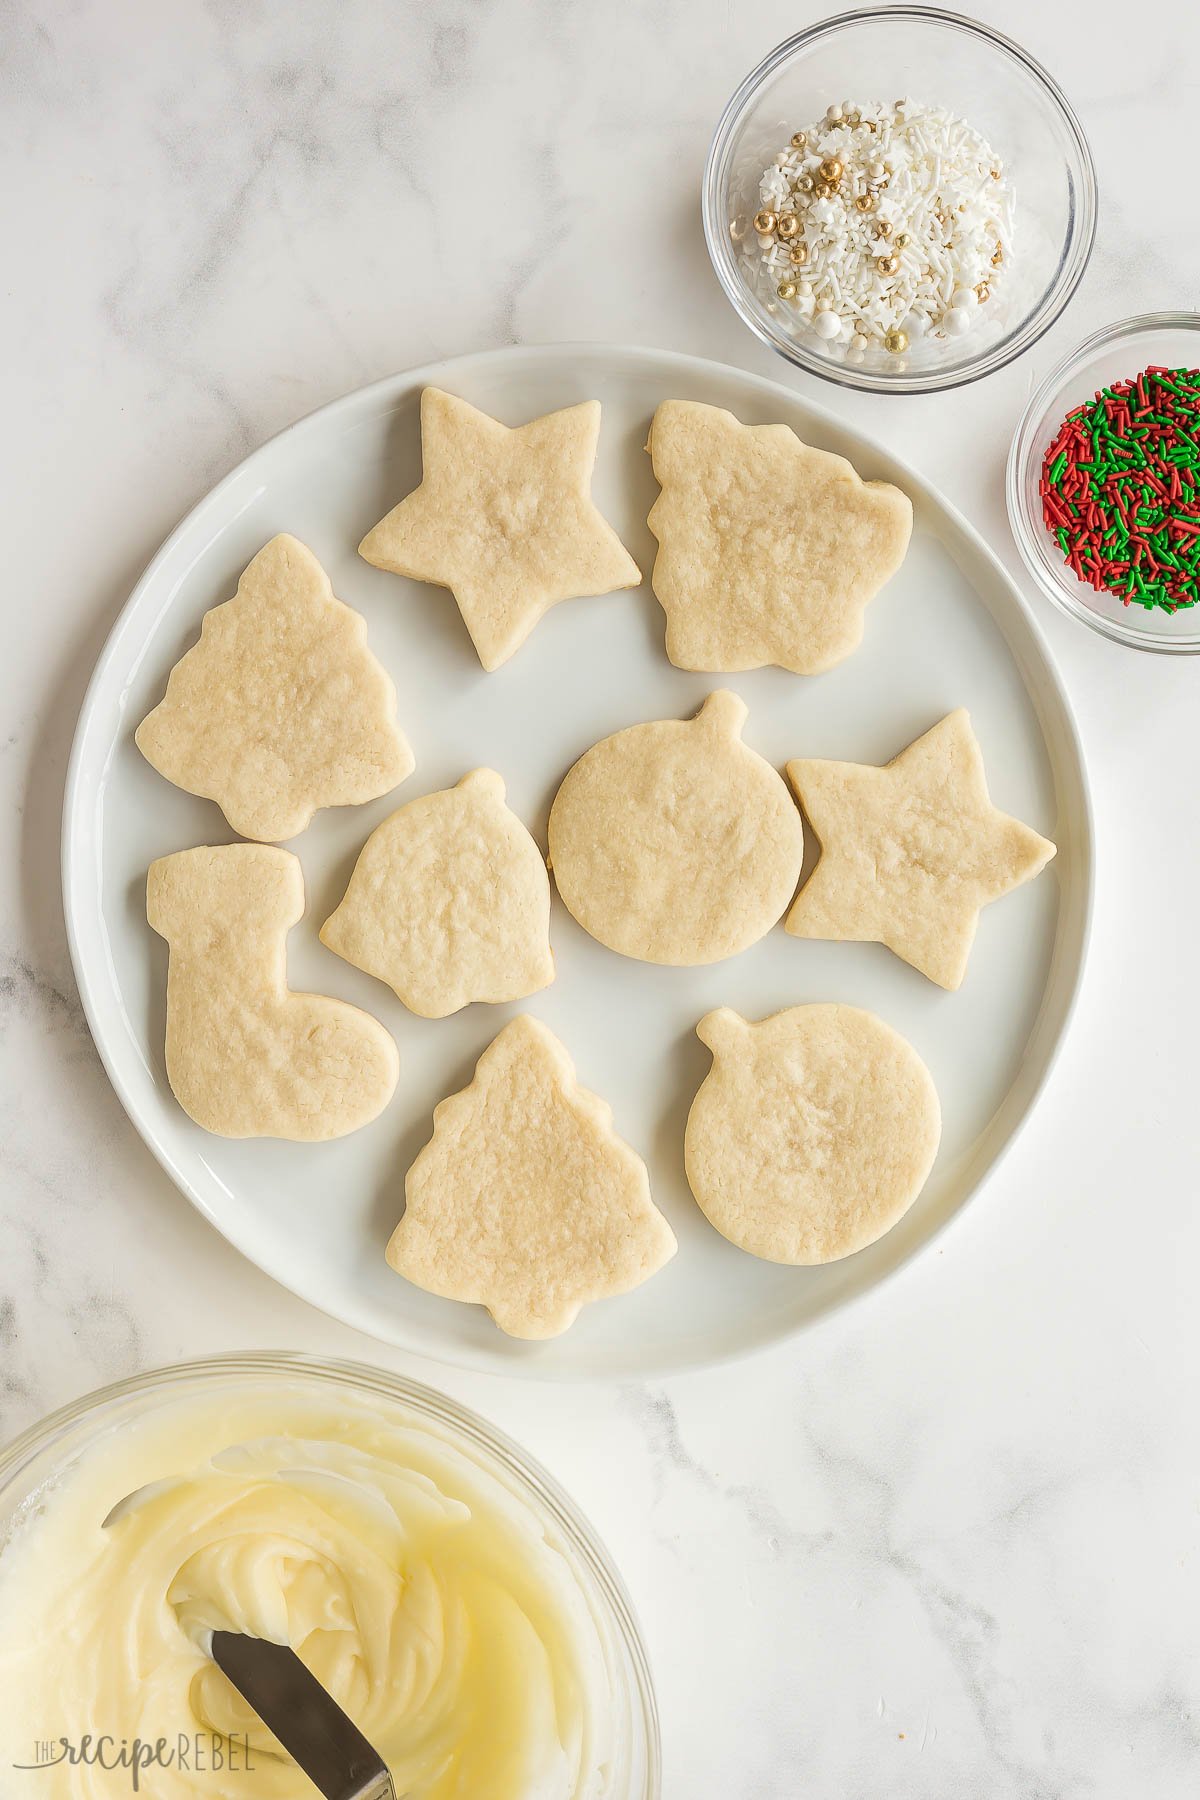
32	1465
942	59
1170	339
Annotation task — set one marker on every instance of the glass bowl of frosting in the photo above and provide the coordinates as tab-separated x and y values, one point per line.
899	199
438	1582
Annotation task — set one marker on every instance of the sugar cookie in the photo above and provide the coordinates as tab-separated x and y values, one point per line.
280	708
525	1200
673	842
812	1134
504	519
245	1056
911	852
449	902
768	550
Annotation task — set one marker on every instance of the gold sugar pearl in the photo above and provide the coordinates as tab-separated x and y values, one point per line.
799	140
805	184
902	241
995	174
831	169
883	228
800	254
896	342
824	190
788	226
887	265
866	203
786	290
764	222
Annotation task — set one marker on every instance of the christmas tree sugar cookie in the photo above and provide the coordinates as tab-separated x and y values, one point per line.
449	902
246	1057
525	1200
813	1132
910	853
673	842
768	550
504	519
280	708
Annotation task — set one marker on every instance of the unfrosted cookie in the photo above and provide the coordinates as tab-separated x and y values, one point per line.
768	550
911	852
245	1056
525	1200
673	842
449	902
504	519
280	708
813	1132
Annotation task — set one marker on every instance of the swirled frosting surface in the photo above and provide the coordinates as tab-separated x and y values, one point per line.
421	1587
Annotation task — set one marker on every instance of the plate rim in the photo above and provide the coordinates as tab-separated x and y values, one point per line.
685	1358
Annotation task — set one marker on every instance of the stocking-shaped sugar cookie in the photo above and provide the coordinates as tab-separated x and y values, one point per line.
813	1132
449	902
768	550
280	708
674	842
525	1200
245	1056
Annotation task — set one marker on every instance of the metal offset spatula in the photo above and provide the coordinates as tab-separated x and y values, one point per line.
306	1719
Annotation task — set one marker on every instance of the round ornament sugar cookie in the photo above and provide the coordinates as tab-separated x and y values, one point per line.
672	842
813	1132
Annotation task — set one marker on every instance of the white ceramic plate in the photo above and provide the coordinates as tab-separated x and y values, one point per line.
949	630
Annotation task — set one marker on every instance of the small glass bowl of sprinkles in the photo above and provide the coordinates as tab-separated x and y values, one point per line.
899	199
1103	483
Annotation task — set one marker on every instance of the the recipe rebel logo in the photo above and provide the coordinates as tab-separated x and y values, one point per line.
200	1753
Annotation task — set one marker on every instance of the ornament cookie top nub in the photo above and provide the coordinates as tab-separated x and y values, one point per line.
449	902
675	843
246	1057
280	708
503	518
768	550
525	1200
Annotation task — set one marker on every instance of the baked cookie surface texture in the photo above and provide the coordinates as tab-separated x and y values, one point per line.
525	1200
246	1057
503	518
813	1132
768	550
673	842
911	852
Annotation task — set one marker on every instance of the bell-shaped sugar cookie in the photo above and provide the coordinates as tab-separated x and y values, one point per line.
674	843
245	1056
280	708
813	1132
768	550
525	1200
449	902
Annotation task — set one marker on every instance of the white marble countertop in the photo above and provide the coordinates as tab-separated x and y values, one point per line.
947	1546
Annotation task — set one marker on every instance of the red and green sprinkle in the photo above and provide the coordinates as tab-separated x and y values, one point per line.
1120	489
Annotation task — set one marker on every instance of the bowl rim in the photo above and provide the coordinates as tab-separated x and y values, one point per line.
1074	256
1024	446
480	1435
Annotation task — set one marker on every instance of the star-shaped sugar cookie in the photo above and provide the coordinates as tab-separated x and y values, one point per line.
504	519
911	852
768	550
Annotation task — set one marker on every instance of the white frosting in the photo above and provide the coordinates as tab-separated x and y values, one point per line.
423	1590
